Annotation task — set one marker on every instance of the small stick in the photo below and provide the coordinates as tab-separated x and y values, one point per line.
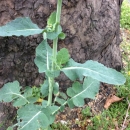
127	114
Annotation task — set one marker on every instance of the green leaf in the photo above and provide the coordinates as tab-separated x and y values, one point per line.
78	92
20	26
48	111
53	74
10	92
62	36
62	56
31	117
76	88
32	99
95	70
70	103
63	95
19	102
28	91
60	100
52	18
43	56
91	86
44	103
54	34
45	88
56	88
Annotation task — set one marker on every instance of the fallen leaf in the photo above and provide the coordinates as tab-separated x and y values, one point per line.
111	100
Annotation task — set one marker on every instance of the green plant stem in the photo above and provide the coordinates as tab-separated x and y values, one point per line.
58	13
54	52
55	41
51	81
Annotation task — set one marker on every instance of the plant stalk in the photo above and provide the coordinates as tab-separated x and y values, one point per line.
54	53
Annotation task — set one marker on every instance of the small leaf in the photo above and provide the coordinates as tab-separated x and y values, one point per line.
78	92
60	100
43	56
63	95
76	88
45	88
62	56
20	26
62	36
56	88
52	18
54	34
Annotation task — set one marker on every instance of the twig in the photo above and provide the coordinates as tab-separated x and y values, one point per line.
127	114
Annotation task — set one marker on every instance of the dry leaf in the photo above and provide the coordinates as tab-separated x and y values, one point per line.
111	100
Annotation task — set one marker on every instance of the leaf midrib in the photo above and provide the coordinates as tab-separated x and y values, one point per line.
72	68
31	119
82	91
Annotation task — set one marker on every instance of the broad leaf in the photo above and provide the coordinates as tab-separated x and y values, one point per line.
31	117
20	26
11	92
78	92
95	70
43	56
62	56
34	117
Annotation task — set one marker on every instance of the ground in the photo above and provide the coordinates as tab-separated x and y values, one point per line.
85	118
